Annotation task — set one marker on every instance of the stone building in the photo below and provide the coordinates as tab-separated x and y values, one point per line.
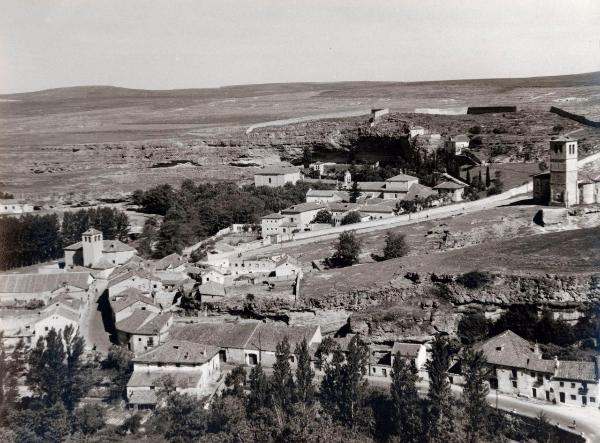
14	207
96	253
276	176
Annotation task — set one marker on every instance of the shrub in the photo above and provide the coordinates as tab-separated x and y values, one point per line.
475	129
323	216
351	218
395	246
347	250
472	328
474	279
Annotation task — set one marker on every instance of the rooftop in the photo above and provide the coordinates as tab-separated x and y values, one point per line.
460	138
577	370
277	170
402	178
449	185
274	215
141	378
38	283
170	261
418	190
179	352
406	349
143	322
508	349
303	207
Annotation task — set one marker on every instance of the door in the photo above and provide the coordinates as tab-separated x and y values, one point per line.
252	359
223	356
534	392
547	395
562	397
584	400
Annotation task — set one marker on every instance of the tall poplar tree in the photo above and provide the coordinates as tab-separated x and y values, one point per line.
475	392
305	389
406	408
440	415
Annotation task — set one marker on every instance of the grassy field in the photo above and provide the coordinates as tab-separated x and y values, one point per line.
108	140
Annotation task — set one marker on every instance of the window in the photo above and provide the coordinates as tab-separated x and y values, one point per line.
573	397
573	385
374	370
514	373
592	399
46	328
562	384
269	180
514	384
139	339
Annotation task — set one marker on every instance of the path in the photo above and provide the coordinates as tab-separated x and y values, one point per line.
392	224
92	324
290	121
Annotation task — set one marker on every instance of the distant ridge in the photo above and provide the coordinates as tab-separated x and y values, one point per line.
110	92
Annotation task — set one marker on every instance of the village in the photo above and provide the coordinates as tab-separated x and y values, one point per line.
173	315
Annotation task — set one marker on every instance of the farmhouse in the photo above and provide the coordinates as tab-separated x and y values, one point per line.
247	342
18	289
326	196
94	252
518	369
298	217
276	176
393	188
126	302
455	191
13	207
190	367
143	330
57	317
381	357
456	144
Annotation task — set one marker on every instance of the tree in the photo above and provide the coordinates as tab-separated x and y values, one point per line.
235	382
354	191
323	216
479	179
119	360
347	249
89	419
343	389
440	414
9	392
395	245
475	393
305	389
351	218
472	328
406	413
306	156
282	383
258	384
75	382
40	423
488	179
183	419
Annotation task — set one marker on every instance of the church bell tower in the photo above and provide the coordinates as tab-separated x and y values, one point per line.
563	172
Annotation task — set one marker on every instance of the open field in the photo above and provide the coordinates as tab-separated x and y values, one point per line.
102	140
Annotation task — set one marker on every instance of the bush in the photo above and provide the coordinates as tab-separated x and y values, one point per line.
323	216
395	246
347	250
351	218
475	129
472	328
474	279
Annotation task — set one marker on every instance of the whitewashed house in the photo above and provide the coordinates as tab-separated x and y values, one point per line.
14	207
277	176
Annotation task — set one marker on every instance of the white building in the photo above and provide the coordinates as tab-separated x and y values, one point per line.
456	144
271	224
518	369
563	172
298	217
326	196
416	130
143	330
276	176
455	191
13	207
190	367
96	253
16	289
393	188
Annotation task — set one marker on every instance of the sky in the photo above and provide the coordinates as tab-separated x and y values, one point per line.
168	44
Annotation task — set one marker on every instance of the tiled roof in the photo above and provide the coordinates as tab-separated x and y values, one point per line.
66	300
127	298
178	351
103	263
401	178
508	349
406	349
418	190
320	193
74	246
183	379
303	207
61	311
343	207
212	288
126	275
277	170
115	246
268	335
381	208
143	397
576	370
143	322
274	215
171	277
226	335
33	283
171	260
449	185
371	186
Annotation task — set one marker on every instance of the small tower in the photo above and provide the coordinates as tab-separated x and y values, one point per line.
92	246
563	172
347	178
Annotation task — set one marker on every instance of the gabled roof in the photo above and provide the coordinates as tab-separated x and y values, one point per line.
303	207
115	246
576	370
277	170
143	322
449	185
74	246
66	300
381	208
171	277
508	349
406	349
401	178
129	297
225	335
179	352
274	215
172	260
320	193
38	283
129	274
418	190
143	397
343	207
102	263
212	288
60	311
142	377
268	335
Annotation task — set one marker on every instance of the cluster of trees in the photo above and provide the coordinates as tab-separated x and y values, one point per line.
479	184
194	212
58	375
526	321
34	239
28	240
348	248
6	196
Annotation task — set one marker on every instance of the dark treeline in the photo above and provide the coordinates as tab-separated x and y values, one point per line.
29	239
32	239
194	212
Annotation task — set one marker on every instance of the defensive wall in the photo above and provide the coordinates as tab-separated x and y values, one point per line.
474	110
576	117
